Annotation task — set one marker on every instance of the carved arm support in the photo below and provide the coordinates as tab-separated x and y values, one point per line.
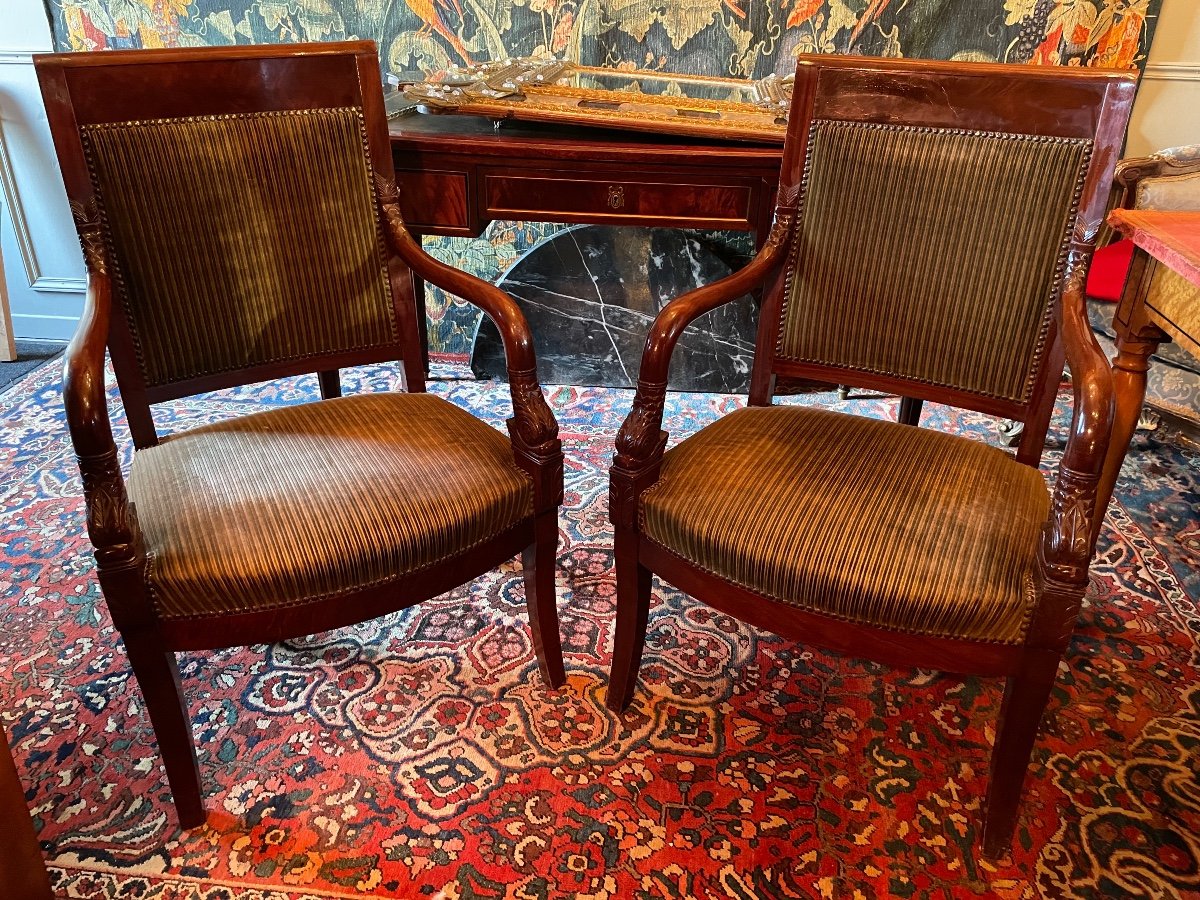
533	428
111	523
641	440
1067	540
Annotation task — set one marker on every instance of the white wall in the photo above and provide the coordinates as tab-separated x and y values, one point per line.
42	261
1167	110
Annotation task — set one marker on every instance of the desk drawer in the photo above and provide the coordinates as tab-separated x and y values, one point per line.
599	197
437	199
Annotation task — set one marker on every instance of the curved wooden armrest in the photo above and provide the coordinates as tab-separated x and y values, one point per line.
640	441
111	523
1069	539
533	427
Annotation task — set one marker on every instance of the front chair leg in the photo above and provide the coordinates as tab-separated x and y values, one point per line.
633	609
539	560
158	676
1025	698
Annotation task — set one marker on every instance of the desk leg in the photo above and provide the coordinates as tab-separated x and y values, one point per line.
1129	392
422	320
418	285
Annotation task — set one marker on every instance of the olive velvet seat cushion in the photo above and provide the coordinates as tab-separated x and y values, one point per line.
858	519
305	502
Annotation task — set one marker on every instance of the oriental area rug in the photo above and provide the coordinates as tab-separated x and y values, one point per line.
420	755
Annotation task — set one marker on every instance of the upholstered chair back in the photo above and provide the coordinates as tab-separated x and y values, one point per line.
1171	190
238	220
958	240
230	249
930	239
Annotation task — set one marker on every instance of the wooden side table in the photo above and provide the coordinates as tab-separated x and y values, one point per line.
1161	302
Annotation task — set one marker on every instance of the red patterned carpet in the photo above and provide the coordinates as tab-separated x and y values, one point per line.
420	756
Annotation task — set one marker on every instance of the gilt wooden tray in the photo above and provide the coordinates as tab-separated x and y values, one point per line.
553	90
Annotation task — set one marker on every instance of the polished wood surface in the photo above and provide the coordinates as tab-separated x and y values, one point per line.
123	86
458	173
1019	100
1166	246
22	869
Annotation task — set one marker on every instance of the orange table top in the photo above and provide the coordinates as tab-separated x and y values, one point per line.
1173	238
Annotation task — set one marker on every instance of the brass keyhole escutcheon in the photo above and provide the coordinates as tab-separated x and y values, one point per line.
616	196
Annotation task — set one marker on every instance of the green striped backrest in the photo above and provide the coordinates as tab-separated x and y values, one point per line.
931	254
242	240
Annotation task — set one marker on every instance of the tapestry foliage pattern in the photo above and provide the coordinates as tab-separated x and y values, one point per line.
738	38
749	38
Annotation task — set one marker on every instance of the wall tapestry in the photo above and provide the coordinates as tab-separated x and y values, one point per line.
739	38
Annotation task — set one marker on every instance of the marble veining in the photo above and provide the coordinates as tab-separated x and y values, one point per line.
590	294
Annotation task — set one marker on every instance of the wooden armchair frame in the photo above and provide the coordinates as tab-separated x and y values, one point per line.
84	89
1133	170
1050	101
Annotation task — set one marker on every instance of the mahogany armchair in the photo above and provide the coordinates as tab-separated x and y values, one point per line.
931	239
240	222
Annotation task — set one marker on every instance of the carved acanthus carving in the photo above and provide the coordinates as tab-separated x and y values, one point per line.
788	198
90	225
533	424
640	436
389	203
1079	254
1067	539
111	523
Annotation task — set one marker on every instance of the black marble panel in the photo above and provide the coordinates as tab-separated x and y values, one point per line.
591	292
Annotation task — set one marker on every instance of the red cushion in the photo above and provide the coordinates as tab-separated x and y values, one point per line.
1110	265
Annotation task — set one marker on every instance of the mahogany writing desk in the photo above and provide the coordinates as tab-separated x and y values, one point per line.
1161	303
458	173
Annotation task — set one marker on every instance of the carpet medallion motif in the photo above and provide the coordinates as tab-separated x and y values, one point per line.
420	755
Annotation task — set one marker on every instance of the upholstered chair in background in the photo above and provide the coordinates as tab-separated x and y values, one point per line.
240	222
932	236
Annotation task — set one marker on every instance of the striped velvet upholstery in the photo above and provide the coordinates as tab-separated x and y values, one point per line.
858	519
299	503
930	254
232	249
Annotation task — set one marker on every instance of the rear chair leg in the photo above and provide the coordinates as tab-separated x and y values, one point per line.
330	382
539	560
1025	699
633	609
158	676
910	411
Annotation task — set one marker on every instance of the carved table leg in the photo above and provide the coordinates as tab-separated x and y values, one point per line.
1129	391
